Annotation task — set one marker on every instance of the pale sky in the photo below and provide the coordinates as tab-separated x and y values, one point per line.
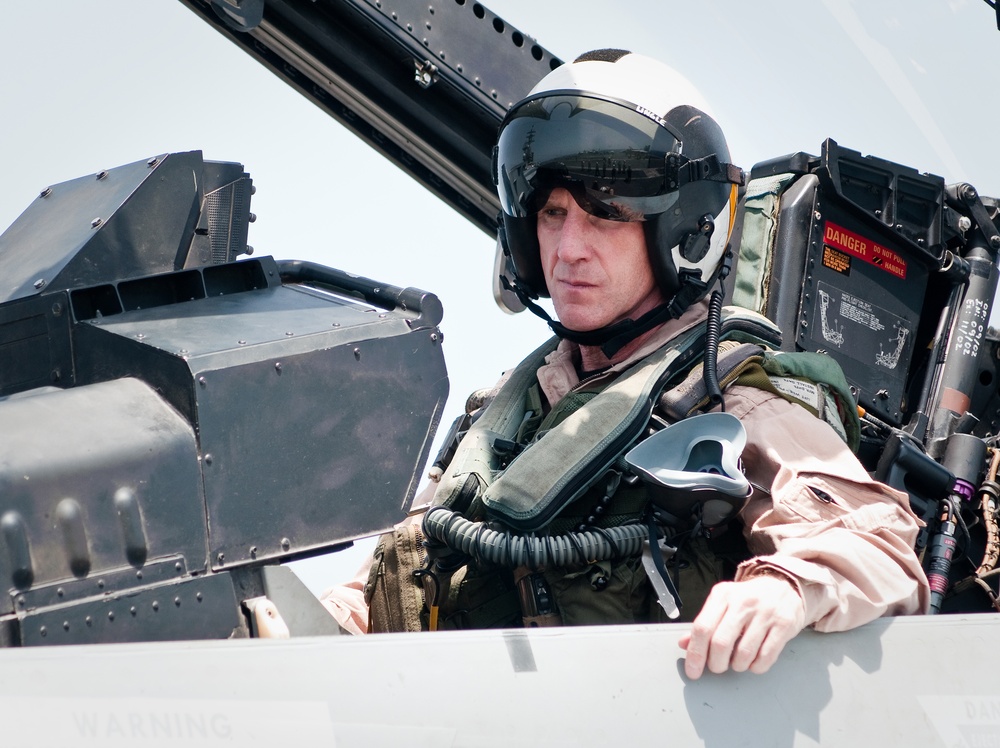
96	84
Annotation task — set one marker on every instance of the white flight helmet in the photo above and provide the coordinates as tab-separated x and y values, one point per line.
629	138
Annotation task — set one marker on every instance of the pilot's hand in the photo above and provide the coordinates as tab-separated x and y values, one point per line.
744	626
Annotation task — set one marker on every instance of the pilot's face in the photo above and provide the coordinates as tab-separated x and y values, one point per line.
597	271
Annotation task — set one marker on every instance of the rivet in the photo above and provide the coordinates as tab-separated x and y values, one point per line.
89	621
43	631
111	615
178	566
46	192
253	551
177	602
208	459
39	283
152	162
357	354
132	610
138	574
221	558
197	596
100	584
96	222
277	366
202	382
102	174
60	591
285	544
241	342
57	309
289	333
65	625
156	605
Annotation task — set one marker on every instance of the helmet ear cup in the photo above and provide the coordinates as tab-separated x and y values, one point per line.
521	237
660	256
504	277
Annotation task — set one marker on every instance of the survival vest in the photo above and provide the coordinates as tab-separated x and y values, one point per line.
567	479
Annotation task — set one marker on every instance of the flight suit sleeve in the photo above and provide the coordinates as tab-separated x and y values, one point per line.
346	601
816	517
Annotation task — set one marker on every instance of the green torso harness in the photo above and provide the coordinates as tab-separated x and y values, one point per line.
533	494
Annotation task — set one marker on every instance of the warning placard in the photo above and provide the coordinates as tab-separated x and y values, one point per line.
860	329
836	260
863	248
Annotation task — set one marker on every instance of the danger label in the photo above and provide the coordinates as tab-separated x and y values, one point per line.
864	249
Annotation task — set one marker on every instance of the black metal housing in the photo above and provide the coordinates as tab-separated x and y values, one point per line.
209	418
859	240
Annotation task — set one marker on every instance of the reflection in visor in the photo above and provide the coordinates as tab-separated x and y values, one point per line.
609	157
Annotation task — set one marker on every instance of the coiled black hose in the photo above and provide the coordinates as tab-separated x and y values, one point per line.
503	548
713	331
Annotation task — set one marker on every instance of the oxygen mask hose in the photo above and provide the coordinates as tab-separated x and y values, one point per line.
713	332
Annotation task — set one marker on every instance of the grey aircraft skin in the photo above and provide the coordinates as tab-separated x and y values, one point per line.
144	524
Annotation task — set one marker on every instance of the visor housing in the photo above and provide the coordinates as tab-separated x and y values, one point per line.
610	156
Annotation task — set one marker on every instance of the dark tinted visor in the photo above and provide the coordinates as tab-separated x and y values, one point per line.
609	156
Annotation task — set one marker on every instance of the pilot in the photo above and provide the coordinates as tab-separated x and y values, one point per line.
618	200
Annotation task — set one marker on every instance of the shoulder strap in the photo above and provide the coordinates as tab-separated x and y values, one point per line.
475	462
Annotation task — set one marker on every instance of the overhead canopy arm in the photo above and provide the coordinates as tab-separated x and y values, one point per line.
425	84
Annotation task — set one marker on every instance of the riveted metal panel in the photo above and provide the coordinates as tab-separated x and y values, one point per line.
66	455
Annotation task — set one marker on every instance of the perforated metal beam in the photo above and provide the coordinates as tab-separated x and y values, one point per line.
424	83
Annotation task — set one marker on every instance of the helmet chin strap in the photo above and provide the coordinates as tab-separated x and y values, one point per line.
612	338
